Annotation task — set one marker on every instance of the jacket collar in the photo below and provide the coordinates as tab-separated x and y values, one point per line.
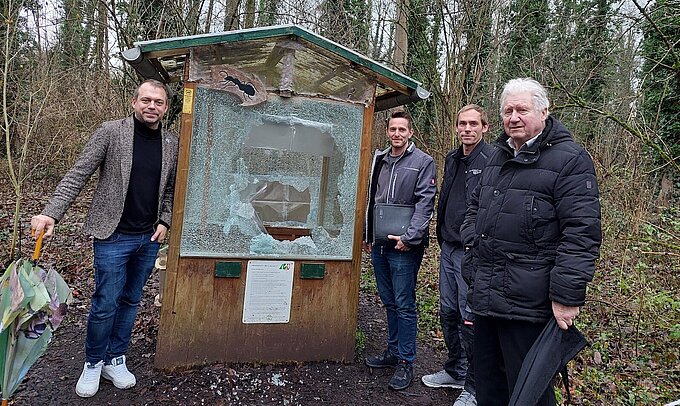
471	157
409	149
554	132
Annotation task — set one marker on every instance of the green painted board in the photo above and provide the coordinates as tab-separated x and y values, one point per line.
312	271
228	269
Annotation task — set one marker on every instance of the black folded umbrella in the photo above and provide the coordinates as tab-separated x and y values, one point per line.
549	354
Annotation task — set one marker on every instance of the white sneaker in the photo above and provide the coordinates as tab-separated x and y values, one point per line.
465	399
118	373
442	379
88	383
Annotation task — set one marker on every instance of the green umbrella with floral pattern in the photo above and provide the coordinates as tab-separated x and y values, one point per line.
33	303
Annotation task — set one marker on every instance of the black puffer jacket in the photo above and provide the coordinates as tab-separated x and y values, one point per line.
533	228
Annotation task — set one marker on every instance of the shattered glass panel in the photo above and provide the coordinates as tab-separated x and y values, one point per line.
277	180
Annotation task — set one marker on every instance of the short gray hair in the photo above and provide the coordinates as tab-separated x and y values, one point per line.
522	85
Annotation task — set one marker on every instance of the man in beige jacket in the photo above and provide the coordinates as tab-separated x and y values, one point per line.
128	218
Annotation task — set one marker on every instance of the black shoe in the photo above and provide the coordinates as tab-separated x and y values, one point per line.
402	377
384	360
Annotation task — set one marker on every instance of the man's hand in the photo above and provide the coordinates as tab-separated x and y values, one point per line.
564	315
400	245
40	223
159	235
366	246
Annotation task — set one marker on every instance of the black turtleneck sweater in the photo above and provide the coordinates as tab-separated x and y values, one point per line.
140	212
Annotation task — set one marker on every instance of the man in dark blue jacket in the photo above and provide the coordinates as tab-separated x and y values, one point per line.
532	235
406	176
464	167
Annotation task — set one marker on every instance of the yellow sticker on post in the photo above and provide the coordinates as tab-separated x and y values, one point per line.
188	104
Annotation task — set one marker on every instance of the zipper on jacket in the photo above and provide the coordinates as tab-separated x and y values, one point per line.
393	176
394	184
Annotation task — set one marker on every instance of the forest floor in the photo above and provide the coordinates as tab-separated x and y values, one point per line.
631	320
52	380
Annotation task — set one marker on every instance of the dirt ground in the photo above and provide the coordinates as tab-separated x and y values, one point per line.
51	381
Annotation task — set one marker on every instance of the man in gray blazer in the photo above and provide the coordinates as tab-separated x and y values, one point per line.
128	217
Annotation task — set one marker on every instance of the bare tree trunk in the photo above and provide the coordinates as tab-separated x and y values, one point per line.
102	39
231	19
400	36
209	17
249	21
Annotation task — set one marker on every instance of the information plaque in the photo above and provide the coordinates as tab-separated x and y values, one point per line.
269	289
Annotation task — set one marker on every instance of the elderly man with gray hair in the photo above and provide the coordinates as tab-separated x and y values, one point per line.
531	234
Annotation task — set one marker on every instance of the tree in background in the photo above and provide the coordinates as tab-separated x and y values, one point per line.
660	79
580	60
477	76
75	33
528	29
26	81
346	22
267	13
423	29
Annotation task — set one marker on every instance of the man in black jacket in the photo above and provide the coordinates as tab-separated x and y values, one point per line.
463	169
532	235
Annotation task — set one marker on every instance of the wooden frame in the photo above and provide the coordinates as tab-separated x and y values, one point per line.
201	313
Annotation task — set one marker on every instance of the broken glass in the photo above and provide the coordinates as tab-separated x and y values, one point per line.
277	180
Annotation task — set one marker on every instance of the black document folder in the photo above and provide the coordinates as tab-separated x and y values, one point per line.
391	219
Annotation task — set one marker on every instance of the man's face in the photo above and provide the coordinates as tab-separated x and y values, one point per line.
399	133
150	105
470	129
521	121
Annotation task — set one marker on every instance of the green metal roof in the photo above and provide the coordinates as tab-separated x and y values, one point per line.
254	47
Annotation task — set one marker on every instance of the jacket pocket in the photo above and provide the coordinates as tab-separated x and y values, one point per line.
527	281
403	185
541	220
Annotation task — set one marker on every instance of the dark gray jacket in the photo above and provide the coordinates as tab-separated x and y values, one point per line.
533	228
110	150
475	163
412	182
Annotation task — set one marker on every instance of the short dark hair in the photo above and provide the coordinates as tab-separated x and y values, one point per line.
482	113
154	83
401	114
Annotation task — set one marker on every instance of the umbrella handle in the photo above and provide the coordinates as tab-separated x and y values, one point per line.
38	245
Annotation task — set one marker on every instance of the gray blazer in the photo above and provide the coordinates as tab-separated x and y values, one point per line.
110	150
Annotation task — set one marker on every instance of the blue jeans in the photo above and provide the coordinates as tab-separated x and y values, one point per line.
122	265
395	274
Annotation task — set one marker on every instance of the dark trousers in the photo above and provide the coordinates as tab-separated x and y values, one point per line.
500	346
455	316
